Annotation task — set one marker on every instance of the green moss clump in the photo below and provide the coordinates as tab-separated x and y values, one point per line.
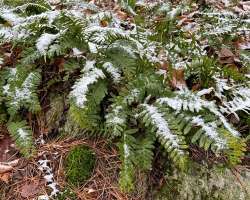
79	165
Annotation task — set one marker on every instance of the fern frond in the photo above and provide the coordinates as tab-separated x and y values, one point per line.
87	94
91	74
126	147
20	91
240	102
188	101
22	136
116	120
174	144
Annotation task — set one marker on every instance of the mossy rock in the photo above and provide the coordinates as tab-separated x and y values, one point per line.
79	165
201	182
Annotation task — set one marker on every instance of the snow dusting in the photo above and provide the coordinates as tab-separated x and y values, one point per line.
161	124
113	71
210	130
44	41
22	134
91	75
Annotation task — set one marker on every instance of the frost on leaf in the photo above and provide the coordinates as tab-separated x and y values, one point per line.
113	71
91	75
161	124
210	130
22	134
44	41
189	101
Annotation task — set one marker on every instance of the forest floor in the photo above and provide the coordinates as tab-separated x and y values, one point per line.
25	179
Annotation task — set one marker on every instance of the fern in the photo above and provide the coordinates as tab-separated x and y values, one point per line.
174	144
20	90
22	136
108	72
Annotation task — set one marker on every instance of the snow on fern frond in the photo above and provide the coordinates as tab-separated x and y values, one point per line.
11	18
126	151
210	130
91	75
45	41
19	28
221	86
213	109
24	93
184	100
115	117
189	101
240	102
205	91
22	134
116	121
133	96
113	71
161	124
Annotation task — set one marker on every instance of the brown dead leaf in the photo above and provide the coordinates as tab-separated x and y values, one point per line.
245	5
5	177
164	65
178	80
122	15
196	87
244	45
104	23
226	56
30	189
59	64
225	53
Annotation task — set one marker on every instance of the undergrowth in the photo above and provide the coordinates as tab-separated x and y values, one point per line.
142	77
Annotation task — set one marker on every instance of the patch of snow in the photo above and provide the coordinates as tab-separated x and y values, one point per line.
43	197
12	18
126	150
115	117
49	178
92	47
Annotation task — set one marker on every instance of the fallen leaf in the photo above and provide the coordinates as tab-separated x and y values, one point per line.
30	189
244	45
164	65
90	190
178	80
104	23
226	56
122	15
59	64
224	53
5	177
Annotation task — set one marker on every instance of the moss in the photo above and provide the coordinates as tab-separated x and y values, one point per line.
79	165
67	194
